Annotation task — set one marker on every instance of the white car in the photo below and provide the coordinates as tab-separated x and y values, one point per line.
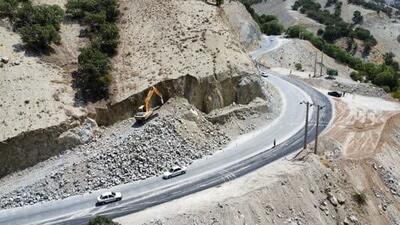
174	171
109	197
264	74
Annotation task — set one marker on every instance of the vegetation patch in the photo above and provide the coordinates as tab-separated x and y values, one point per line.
268	24
93	75
385	75
335	26
375	6
38	25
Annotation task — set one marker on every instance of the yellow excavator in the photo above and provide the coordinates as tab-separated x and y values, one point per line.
146	110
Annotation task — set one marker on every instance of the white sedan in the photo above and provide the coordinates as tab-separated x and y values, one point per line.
174	171
264	74
109	197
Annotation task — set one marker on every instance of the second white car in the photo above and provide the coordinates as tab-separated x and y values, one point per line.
109	197
174	171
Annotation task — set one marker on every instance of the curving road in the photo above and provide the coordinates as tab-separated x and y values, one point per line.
242	156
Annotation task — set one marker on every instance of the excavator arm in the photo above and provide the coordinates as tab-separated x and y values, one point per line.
152	92
146	109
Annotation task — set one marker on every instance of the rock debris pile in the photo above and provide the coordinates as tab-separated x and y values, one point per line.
124	154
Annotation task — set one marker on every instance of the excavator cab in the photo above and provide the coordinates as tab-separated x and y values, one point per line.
146	111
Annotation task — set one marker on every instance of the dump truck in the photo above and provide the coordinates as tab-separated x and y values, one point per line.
146	110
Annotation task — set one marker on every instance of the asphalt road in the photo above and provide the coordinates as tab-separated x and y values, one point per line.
242	156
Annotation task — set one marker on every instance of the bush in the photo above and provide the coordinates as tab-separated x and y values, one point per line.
107	38
43	15
79	9
94	62
357	17
39	37
356	76
93	70
332	72
272	28
298	66
101	220
360	198
396	94
8	7
38	25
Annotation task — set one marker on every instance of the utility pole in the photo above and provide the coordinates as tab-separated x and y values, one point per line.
322	63
306	125
315	64
317	128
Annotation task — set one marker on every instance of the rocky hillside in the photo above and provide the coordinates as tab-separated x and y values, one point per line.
189	49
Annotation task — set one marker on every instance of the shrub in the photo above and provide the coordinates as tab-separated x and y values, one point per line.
43	15
396	94
357	17
39	37
101	220
94	62
272	28
93	70
332	72
78	9
356	76
298	66
38	25
106	38
360	198
8	7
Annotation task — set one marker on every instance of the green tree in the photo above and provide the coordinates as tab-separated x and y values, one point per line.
272	28
101	220
43	15
332	72
298	66
94	67
107	38
7	8
357	17
39	37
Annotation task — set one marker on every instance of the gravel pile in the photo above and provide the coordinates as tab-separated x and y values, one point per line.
124	155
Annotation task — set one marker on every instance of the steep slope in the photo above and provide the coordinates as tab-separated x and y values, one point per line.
163	40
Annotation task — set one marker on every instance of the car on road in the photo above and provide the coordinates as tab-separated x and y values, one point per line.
335	94
264	74
174	171
109	197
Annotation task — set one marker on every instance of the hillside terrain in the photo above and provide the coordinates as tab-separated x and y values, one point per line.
357	156
385	30
57	145
196	55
